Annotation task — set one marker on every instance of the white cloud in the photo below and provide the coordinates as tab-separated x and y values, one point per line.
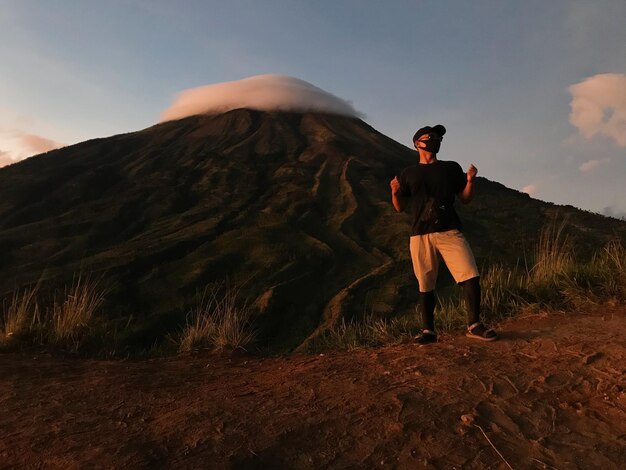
588	166
613	212
592	164
261	92
598	106
22	145
530	189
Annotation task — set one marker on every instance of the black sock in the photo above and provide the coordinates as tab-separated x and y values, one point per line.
427	306
471	289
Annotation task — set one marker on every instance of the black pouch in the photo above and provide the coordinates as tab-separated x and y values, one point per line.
433	214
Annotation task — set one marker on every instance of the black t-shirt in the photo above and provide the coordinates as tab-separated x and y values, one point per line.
431	189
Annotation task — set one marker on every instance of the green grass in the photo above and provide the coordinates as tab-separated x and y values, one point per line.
369	331
553	254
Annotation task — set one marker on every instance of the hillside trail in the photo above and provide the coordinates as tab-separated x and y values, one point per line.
549	394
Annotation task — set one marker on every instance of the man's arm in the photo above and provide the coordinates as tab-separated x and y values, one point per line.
399	202
467	194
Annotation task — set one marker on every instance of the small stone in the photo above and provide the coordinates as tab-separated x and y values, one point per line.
467	419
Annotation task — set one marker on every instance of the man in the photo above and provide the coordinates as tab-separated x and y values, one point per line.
429	189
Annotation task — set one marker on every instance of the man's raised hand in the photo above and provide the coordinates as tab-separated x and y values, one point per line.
471	172
395	185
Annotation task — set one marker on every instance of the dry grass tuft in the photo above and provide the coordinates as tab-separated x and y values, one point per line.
504	291
71	317
553	254
218	322
20	314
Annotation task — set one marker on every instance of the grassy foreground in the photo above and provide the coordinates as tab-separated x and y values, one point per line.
555	280
71	320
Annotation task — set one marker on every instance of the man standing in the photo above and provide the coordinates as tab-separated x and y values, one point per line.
429	189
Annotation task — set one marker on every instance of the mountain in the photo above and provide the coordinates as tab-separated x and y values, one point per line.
293	209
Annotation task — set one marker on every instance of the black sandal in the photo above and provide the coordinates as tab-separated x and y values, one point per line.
426	337
478	331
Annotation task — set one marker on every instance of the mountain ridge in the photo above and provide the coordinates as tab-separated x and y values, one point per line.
293	208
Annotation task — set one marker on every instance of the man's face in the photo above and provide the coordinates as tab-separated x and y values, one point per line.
423	141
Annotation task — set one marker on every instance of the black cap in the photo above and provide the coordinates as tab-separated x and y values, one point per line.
438	129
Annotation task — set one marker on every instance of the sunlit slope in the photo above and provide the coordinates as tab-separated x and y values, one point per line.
292	208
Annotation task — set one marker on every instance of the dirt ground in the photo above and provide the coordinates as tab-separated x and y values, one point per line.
549	394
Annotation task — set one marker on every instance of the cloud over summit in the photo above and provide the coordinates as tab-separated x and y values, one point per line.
261	92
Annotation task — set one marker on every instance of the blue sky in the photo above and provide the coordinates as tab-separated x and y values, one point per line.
496	73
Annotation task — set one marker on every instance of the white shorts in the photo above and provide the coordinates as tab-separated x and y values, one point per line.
454	250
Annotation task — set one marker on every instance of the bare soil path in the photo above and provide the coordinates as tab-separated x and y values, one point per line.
549	394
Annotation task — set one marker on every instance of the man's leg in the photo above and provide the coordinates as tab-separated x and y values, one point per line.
475	329
471	291
459	258
427	305
425	267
